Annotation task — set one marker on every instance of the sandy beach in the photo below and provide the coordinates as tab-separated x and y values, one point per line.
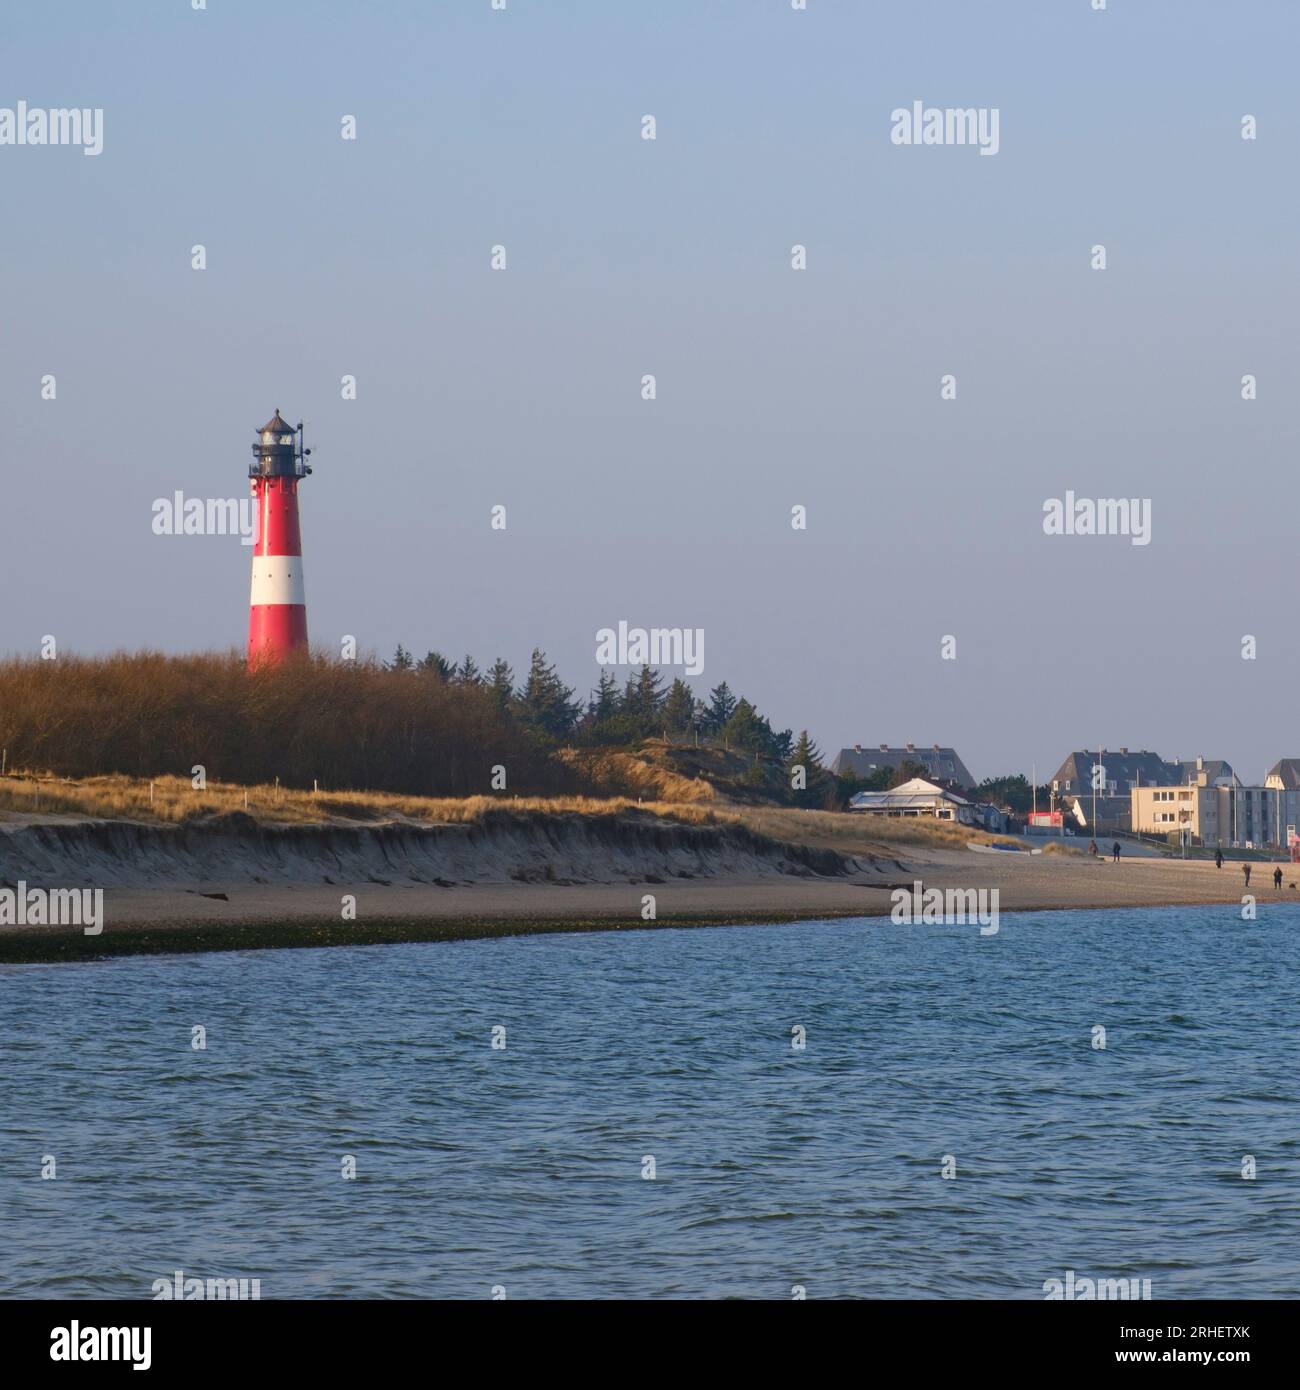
212	914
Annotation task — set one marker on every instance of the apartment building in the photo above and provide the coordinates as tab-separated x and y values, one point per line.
1227	814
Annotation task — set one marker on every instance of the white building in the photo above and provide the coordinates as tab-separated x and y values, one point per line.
915	798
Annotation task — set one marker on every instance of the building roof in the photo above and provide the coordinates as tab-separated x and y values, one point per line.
1285	771
918	792
1218	773
942	763
1123	766
276	425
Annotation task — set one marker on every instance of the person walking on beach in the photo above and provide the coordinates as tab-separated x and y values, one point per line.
1114	849
1092	848
1277	880
1218	859
1245	869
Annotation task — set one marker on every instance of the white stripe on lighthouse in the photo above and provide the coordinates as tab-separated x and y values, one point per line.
277	579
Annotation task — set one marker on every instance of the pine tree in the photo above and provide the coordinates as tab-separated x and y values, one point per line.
501	682
649	695
546	704
678	712
401	660
603	705
627	703
601	721
722	705
468	673
435	664
747	729
806	755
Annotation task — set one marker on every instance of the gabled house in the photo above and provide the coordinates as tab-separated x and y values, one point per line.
942	764
1121	771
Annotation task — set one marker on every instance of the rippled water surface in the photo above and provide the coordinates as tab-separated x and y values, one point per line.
775	1167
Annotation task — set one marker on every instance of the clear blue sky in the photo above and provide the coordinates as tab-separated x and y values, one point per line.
627	257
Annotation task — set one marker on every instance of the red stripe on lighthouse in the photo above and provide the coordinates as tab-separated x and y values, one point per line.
277	613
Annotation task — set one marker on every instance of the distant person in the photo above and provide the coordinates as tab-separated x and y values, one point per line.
1114	849
1277	880
1245	869
1218	859
1092	848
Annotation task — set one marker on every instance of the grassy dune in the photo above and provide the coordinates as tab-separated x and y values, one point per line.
847	831
173	799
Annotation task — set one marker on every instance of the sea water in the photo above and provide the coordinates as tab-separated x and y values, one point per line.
764	1112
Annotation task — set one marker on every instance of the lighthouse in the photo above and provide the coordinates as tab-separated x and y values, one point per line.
277	612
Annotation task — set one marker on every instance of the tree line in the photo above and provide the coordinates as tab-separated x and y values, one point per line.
642	707
430	727
350	725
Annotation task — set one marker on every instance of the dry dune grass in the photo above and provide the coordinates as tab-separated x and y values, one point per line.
851	832
174	799
617	773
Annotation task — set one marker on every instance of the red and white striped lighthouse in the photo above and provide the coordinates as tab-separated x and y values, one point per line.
277	613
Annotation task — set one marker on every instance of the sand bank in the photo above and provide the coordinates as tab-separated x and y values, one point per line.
240	885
